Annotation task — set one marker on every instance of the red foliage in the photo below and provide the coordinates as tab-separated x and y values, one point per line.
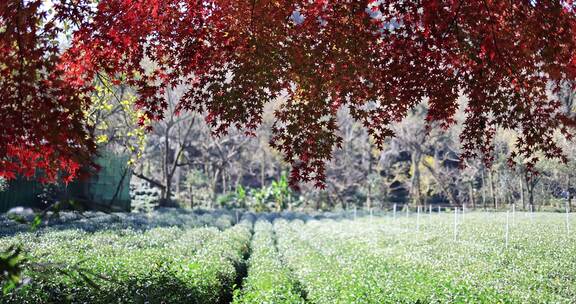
41	111
379	58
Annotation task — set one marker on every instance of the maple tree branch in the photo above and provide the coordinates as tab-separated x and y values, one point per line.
453	22
494	41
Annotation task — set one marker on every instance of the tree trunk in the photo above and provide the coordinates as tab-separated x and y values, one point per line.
223	182
167	193
168	190
531	195
569	198
472	200
369	197
522	199
262	177
492	195
213	184
191	196
177	181
530	189
416	156
483	188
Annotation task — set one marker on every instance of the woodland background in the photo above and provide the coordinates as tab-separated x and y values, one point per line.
180	162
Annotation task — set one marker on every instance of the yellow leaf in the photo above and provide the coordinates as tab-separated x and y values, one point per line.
101	139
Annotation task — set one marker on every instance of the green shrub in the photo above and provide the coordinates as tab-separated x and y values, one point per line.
3	184
226	200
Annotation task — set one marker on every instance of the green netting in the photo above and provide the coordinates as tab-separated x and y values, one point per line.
108	189
20	192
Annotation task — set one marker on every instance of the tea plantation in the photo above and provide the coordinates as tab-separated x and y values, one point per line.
185	257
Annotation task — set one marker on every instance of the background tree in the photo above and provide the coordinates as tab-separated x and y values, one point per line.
167	144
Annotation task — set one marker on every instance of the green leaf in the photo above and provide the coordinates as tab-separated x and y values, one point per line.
36	222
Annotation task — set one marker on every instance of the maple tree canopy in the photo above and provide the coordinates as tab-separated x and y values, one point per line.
379	58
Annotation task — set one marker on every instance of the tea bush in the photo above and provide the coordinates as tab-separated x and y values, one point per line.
268	281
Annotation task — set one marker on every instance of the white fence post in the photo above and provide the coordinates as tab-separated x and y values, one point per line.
455	224
567	220
418	219
513	214
507	227
370	215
